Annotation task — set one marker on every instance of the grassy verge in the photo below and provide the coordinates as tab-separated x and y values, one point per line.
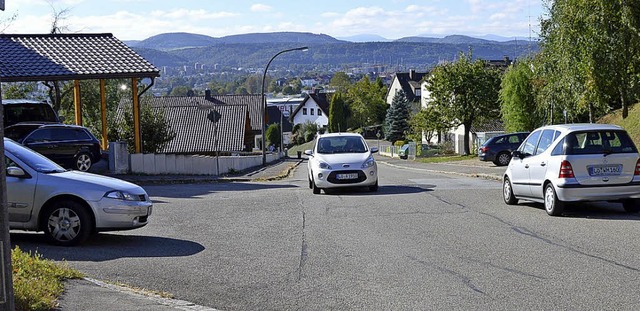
450	158
38	282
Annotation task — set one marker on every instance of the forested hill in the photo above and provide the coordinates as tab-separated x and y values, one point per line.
325	52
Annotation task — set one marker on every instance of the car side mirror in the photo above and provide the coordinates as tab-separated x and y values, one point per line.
517	154
374	149
14	171
308	152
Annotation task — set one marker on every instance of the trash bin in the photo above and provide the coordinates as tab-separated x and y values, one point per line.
299	154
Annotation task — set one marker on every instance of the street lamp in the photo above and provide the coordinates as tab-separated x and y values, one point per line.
264	102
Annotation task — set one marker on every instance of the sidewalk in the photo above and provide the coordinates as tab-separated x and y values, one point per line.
90	294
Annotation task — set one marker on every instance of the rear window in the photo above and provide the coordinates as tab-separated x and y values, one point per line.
16	113
596	142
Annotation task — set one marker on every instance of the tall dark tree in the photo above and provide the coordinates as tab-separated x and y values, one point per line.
337	114
517	99
397	119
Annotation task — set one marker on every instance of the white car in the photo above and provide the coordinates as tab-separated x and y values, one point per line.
68	206
340	160
574	163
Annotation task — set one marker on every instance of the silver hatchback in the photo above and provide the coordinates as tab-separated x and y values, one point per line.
68	205
574	163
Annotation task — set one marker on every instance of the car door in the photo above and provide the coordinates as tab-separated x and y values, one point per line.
41	141
20	192
538	163
520	166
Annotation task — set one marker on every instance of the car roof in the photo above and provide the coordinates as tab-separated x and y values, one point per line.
340	134
43	124
573	127
22	101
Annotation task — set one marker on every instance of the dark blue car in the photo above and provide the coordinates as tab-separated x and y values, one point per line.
498	148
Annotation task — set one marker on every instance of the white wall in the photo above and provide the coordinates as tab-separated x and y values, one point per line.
322	120
160	164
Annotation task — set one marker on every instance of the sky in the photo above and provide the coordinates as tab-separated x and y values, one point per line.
391	19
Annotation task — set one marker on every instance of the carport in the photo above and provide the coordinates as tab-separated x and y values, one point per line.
76	57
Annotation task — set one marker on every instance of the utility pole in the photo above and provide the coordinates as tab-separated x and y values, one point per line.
6	280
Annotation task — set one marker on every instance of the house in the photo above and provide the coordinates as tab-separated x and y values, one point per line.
410	83
314	108
206	124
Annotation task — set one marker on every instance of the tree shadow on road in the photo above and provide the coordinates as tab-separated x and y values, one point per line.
105	246
197	190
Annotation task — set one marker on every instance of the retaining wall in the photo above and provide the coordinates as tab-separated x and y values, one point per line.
159	164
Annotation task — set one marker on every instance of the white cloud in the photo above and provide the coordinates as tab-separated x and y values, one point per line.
261	8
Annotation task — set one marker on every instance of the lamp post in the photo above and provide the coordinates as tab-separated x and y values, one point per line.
264	102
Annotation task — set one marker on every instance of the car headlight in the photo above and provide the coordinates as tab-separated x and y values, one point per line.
122	195
369	162
324	165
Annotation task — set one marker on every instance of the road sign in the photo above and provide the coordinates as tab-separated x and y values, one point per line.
213	116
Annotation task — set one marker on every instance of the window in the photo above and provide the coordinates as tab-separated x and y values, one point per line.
304	111
545	141
319	112
599	142
311	110
528	147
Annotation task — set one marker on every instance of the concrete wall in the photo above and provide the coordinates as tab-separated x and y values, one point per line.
158	164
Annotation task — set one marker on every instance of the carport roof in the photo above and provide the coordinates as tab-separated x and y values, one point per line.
50	57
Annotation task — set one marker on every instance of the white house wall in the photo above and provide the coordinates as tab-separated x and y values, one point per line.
395	87
321	120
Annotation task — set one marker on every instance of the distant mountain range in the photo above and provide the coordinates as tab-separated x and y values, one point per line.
254	49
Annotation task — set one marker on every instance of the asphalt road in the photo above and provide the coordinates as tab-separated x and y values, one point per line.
423	242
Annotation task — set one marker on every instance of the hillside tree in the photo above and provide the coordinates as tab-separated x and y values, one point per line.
337	114
517	99
366	102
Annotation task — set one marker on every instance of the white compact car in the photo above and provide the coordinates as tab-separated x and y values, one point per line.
573	163
340	160
68	205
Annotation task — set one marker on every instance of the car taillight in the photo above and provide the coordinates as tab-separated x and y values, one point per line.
484	149
566	171
637	172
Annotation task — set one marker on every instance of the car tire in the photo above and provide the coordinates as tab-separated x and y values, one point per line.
374	188
67	223
315	188
631	205
82	162
507	192
310	182
502	159
552	205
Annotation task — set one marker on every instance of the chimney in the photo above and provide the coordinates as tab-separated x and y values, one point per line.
207	94
412	74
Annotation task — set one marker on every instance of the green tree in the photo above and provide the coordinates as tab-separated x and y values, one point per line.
337	114
273	134
18	90
156	132
366	101
517	99
340	81
397	118
465	91
428	122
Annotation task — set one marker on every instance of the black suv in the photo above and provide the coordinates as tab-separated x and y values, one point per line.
25	110
71	146
498	148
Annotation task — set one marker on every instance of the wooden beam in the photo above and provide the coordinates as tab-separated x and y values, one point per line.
103	104
76	101
136	114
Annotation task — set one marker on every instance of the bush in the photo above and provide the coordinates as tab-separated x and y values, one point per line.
399	143
37	282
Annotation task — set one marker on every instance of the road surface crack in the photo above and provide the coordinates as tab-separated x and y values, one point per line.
303	249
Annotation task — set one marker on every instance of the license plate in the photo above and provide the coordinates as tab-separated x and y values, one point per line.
347	176
604	170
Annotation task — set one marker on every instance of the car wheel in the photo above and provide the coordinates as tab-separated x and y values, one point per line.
67	223
310	182
631	205
315	188
83	162
374	188
507	192
502	159
553	206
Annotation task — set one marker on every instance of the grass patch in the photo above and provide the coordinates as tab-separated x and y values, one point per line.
38	282
451	158
293	151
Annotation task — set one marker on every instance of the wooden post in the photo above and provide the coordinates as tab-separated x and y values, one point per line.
103	103
76	101
136	114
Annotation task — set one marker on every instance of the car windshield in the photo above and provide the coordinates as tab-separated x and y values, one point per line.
33	159
341	144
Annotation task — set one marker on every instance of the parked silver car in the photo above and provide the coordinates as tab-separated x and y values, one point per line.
68	205
573	163
340	160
